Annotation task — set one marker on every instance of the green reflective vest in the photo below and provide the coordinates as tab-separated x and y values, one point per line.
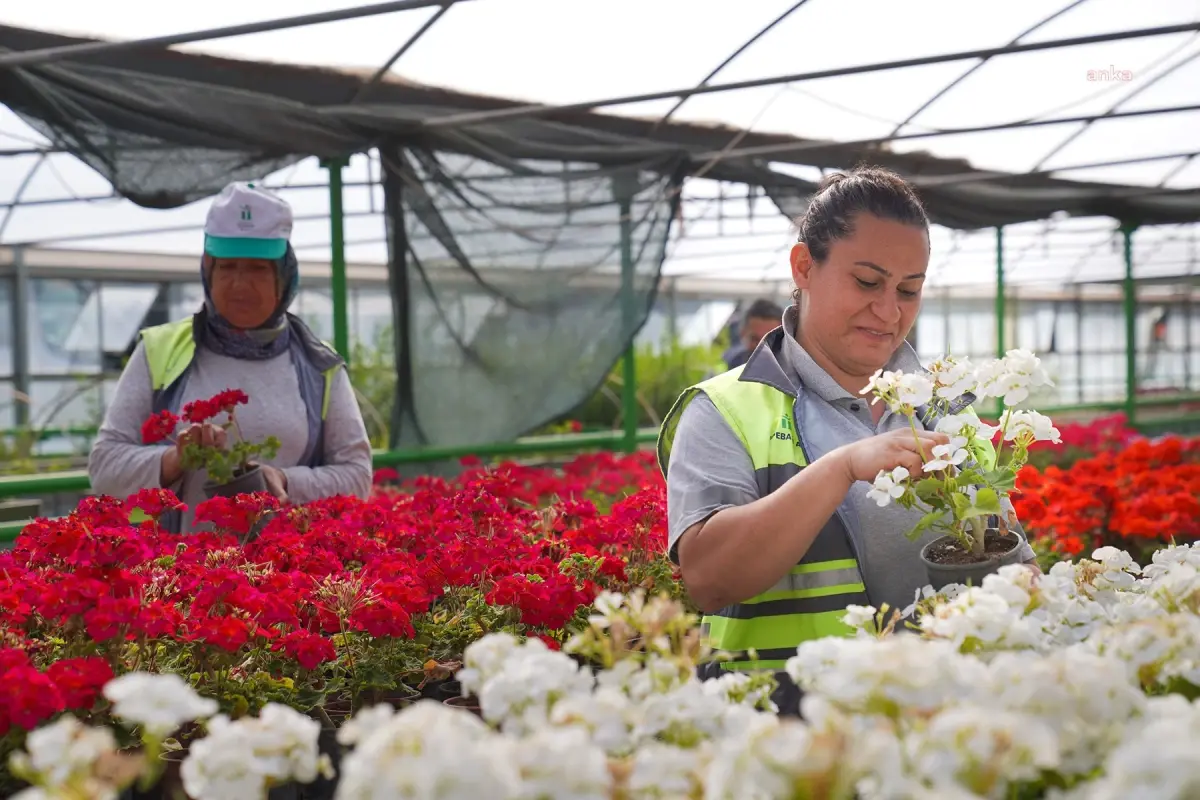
170	349
808	602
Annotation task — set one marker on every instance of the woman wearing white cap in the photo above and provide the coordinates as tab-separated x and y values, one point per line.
242	338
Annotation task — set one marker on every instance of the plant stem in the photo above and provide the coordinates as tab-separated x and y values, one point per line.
978	535
234	424
912	424
1006	418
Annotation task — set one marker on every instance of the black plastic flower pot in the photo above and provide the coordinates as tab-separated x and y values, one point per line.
947	563
253	480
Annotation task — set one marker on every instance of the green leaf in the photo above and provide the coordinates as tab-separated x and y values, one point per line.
927	488
927	521
968	477
988	500
972	512
997	475
137	517
1006	483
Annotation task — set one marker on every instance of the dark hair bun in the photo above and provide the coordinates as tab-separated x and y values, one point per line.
841	196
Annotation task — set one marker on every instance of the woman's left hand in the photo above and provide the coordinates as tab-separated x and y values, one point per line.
276	482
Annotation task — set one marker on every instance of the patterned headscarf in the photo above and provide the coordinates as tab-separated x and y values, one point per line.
268	340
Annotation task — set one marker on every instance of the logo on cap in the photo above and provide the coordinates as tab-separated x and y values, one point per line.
247	218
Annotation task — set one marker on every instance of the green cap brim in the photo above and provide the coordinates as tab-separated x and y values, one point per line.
242	247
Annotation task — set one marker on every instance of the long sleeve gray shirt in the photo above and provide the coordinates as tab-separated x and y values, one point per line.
120	464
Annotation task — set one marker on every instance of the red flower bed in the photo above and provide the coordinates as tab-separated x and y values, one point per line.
1102	434
1138	498
332	599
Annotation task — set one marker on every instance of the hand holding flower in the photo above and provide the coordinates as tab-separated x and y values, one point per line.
964	480
204	443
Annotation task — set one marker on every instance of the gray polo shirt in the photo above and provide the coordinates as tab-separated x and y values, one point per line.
710	470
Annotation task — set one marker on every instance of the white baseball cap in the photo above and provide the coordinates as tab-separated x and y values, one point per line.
247	222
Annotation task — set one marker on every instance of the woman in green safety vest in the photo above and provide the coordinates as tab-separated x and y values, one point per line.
241	338
768	465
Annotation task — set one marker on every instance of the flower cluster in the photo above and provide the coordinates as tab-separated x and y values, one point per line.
541	601
1066	674
239	760
221	463
161	425
1073	687
1139	498
67	759
967	479
336	602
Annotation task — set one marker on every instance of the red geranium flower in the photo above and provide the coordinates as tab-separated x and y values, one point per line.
159	427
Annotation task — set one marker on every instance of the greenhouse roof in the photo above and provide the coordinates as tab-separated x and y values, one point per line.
1055	141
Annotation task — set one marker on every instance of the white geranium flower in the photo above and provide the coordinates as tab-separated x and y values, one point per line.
859	616
964	424
914	390
666	771
562	763
1014	388
953	377
987	375
975	615
948	455
608	603
240	760
160	703
881	383
420	754
519	696
607	715
1030	425
982	749
1157	757
485	657
1024	362
888	485
1011	377
1087	700
362	723
63	752
860	675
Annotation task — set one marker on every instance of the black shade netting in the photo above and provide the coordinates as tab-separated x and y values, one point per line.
516	287
149	137
168	128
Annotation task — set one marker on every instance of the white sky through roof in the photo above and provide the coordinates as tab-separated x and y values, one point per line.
560	51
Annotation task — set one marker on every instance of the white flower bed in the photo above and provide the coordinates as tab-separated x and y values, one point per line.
1071	686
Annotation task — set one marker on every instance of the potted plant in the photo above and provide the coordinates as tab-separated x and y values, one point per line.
231	470
964	489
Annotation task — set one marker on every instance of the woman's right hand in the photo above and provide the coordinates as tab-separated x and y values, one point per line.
204	434
864	459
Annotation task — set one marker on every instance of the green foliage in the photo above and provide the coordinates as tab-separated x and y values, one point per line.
661	378
19	446
223	465
373	375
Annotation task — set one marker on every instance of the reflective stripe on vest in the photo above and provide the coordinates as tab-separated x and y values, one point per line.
810	601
